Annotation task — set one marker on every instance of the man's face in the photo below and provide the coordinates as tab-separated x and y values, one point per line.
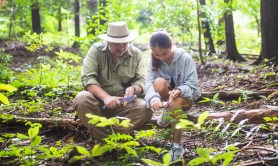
117	49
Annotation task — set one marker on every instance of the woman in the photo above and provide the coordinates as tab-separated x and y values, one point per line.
171	82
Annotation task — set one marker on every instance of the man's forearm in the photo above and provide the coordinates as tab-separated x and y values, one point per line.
97	91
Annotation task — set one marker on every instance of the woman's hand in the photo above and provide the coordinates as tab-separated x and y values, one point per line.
174	93
156	105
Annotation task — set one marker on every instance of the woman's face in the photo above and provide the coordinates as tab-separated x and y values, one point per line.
162	54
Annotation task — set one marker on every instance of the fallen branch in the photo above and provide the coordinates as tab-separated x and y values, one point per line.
49	122
236	94
254	116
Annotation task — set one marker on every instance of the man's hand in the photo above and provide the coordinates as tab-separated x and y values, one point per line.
130	91
112	102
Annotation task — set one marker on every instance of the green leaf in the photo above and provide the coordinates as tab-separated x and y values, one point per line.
83	151
4	99
125	123
6	87
36	141
167	159
75	158
99	150
32	132
202	118
268	119
197	161
22	136
205	100
152	162
131	151
184	123
215	97
204	153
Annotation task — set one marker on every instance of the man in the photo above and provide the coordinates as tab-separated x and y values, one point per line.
111	70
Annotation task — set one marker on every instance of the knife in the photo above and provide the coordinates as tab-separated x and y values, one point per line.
124	101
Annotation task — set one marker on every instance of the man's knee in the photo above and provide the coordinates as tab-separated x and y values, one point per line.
145	113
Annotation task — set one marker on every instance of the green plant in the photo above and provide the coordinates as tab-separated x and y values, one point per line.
35	41
214	100
214	156
271	123
26	149
5	72
116	141
166	161
187	124
6	87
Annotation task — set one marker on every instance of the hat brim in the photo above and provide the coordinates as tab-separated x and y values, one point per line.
132	35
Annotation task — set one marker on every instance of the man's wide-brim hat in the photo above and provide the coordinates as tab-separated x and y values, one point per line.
118	33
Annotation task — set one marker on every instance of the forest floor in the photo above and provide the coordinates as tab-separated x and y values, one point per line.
241	86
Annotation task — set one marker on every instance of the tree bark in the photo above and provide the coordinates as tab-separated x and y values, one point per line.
59	16
236	94
254	116
206	30
199	34
269	30
76	22
36	20
232	52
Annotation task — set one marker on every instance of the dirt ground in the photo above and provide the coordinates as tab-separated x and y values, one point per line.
259	148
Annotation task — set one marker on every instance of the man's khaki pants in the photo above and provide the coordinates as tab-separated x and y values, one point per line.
136	110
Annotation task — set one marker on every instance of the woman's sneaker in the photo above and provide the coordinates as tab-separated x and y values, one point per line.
161	121
176	152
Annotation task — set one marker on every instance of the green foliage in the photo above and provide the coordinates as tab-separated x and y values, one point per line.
214	101
62	74
35	42
213	156
186	124
166	161
26	149
117	141
6	87
271	123
5	72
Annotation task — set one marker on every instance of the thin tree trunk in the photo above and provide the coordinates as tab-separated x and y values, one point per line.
200	32
59	20
232	52
76	22
36	20
206	30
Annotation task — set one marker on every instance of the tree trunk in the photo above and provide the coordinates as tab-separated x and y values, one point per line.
36	20
269	29
206	30
232	52
76	22
11	21
199	30
59	19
